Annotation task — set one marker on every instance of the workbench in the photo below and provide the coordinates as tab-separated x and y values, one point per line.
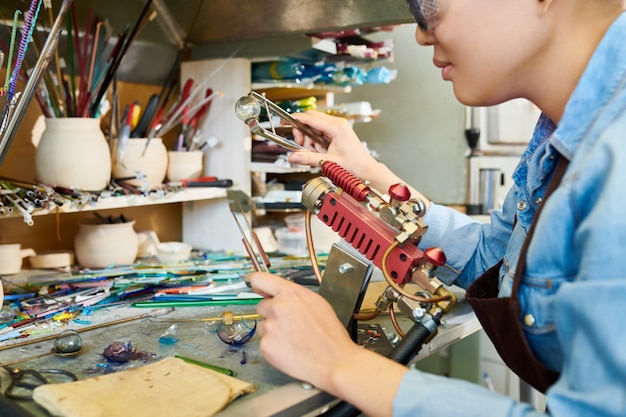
276	393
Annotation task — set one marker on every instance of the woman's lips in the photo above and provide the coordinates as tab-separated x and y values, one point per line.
446	69
446	72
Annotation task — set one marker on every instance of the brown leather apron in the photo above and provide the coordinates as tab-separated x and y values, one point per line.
500	317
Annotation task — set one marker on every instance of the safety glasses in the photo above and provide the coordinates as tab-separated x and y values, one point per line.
424	12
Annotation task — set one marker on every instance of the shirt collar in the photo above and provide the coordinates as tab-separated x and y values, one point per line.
605	71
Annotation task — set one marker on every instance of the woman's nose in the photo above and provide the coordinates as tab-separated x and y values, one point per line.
424	38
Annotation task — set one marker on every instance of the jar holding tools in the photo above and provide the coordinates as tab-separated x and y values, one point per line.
73	153
143	162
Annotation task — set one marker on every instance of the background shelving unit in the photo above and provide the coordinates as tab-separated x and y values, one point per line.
197	216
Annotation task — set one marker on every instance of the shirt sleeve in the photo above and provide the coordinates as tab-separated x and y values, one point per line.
471	246
593	374
423	394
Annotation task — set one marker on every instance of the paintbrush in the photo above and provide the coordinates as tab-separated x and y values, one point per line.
145	16
70	87
140	130
94	53
11	47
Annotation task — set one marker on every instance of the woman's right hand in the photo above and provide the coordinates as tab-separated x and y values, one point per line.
345	146
345	149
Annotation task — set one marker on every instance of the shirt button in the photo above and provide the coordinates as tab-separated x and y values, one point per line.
529	320
521	205
538	200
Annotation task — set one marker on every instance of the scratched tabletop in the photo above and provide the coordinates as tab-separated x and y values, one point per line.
195	339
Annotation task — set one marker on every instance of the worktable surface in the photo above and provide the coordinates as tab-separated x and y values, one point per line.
276	393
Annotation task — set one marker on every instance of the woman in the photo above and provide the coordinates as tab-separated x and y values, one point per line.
567	293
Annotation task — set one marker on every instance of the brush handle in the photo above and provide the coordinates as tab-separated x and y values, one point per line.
142	127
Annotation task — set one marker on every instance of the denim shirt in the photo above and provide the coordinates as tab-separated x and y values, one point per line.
573	290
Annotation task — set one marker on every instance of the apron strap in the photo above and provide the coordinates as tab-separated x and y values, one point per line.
500	316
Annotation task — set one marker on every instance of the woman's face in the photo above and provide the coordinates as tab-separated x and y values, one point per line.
488	49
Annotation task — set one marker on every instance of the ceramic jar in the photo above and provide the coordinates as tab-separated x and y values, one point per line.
172	252
11	256
148	241
150	167
99	245
52	259
73	153
184	165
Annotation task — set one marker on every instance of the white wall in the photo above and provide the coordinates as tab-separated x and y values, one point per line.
209	224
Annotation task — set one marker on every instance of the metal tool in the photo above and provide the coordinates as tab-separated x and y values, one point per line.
224	183
24	381
384	228
250	240
248	109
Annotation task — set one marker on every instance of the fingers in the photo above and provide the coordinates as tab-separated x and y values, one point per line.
307	142
320	148
266	284
327	125
317	119
313	159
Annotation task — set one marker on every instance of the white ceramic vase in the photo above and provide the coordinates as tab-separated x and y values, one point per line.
150	167
104	245
73	153
184	165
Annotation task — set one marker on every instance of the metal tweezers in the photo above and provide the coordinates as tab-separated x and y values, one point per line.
251	242
279	111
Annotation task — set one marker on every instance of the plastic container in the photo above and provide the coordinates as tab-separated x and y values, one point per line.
291	242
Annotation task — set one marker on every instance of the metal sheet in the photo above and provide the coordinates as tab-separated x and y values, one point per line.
222	20
214	21
345	280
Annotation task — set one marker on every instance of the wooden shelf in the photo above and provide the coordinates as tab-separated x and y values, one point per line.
114	202
286	91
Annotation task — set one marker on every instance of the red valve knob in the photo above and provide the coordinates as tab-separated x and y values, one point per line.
399	192
435	256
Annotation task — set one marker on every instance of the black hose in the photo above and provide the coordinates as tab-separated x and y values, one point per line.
409	346
10	408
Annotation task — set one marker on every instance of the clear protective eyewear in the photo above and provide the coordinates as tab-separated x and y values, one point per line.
424	12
